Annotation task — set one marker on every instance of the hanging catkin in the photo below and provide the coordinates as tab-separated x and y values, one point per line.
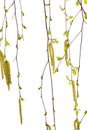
7	73
2	63
48	127
20	110
51	53
66	46
73	90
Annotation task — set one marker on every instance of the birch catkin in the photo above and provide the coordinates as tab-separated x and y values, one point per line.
66	46
20	110
2	63
73	90
51	53
48	127
7	73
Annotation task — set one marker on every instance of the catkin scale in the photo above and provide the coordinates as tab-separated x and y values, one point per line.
20	110
7	73
51	53
73	90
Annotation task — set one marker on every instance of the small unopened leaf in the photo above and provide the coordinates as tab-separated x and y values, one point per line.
1	30
74	72
50	19
59	58
6	10
85	112
71	22
22	99
86	16
70	17
19	37
76	105
69	63
45	114
77	83
22	13
48	32
66	33
18	75
24	26
62	9
55	40
40	88
77	3
20	87
7	43
1	39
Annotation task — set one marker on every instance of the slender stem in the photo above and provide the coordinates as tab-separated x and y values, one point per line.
48	62
17	63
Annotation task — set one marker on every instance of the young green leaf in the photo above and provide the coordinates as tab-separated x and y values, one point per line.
85	1
70	17
77	3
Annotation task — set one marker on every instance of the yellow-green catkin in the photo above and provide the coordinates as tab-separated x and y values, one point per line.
48	127
76	125
66	46
2	63
7	73
73	90
51	53
20	110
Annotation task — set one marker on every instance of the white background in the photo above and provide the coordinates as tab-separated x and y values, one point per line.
32	58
